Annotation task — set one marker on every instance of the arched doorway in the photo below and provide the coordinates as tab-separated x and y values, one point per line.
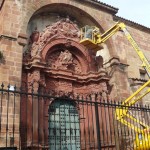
64	129
57	62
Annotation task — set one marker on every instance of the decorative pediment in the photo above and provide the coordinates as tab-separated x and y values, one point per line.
63	28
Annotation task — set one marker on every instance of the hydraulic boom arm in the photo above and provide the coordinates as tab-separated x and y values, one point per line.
121	26
122	112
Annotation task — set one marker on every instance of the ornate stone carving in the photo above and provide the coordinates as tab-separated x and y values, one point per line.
61	85
63	60
35	49
34	44
65	85
64	57
34	36
64	28
34	80
93	87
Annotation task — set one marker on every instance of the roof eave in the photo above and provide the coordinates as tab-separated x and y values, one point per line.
102	6
131	23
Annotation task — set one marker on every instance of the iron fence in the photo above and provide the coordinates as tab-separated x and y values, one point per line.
57	121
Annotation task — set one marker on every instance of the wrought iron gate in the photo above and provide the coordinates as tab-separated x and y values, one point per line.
64	122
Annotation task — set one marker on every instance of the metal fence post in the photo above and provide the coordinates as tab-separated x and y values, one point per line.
97	126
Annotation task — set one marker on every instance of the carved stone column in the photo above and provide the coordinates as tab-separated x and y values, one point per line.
35	110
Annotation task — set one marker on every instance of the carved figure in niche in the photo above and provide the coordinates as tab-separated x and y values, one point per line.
35	49
34	36
48	32
35	79
34	43
65	59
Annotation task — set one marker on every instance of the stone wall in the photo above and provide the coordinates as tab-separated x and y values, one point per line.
19	18
10	71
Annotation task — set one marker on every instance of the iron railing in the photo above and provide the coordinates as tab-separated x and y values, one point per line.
57	121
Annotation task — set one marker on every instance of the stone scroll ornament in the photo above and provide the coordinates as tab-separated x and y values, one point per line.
64	28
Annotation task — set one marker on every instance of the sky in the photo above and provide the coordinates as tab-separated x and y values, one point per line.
135	10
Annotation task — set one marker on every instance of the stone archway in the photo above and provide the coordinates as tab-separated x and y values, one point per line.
57	62
80	14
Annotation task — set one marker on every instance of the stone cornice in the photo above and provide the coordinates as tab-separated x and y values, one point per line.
69	75
8	37
82	78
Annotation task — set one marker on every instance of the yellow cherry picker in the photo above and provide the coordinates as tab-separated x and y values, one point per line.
92	39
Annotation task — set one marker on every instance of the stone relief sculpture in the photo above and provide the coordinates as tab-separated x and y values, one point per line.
62	56
34	80
64	28
34	36
63	60
34	49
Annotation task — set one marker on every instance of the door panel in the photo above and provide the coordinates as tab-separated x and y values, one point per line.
64	129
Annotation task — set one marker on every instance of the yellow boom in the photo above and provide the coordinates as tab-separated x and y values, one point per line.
91	38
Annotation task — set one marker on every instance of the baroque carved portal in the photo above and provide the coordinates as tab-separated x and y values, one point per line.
64	68
61	56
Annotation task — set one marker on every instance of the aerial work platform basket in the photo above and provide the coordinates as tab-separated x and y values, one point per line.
89	37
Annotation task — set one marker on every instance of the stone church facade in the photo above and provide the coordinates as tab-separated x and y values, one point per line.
40	41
